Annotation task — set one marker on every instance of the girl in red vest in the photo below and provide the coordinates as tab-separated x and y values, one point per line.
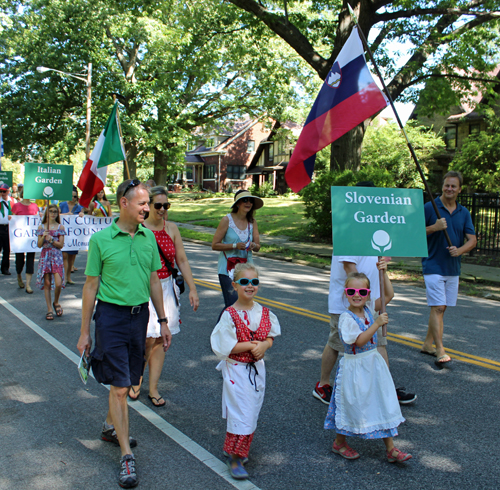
241	338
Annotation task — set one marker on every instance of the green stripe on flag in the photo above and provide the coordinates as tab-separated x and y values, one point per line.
112	150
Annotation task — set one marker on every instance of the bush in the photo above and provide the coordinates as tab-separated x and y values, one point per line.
264	190
318	200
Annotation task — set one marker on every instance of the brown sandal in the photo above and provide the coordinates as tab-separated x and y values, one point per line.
58	308
49	316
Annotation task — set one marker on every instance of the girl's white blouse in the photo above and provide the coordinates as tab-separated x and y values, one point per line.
349	329
223	338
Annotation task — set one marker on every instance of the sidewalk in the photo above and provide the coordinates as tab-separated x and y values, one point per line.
470	272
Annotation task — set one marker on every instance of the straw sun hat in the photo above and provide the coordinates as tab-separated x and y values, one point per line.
257	201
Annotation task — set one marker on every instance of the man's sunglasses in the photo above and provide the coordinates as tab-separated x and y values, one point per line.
245	281
133	183
159	205
363	292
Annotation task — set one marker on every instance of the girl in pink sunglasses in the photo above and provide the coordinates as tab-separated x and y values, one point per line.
364	402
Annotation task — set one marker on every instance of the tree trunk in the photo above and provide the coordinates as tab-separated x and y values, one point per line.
131	151
346	151
160	167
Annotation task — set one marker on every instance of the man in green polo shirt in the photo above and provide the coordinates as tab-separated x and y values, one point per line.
125	257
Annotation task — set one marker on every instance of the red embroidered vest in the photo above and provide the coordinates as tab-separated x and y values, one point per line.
244	334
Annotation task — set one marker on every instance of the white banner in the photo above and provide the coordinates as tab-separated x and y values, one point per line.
23	237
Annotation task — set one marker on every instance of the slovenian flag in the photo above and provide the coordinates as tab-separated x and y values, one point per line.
349	96
108	149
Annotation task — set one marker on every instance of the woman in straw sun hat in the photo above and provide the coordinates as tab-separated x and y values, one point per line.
236	237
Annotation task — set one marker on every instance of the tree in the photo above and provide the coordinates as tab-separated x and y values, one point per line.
385	151
172	65
447	39
479	159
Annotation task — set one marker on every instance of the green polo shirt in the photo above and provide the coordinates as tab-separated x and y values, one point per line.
124	263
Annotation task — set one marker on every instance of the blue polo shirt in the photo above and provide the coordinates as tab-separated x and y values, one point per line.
460	224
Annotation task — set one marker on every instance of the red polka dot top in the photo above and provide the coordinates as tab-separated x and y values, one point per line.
168	248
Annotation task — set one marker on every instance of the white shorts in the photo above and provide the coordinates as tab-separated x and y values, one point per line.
441	290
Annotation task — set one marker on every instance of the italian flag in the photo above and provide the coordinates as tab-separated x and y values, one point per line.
108	149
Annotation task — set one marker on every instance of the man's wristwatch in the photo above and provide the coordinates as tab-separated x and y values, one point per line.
162	320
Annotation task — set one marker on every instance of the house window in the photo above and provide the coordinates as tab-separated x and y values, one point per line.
189	173
271	152
250	146
236	172
451	137
191	146
210	143
209	172
474	128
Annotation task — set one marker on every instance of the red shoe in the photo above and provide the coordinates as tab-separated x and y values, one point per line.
349	452
397	456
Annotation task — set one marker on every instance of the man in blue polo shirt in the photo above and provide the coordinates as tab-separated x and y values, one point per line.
441	268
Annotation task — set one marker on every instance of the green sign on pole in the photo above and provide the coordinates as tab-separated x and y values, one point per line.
6	177
43	181
378	221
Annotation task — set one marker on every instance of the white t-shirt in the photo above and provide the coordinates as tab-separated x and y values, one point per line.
337	303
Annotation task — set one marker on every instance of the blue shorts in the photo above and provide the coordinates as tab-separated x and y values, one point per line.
120	344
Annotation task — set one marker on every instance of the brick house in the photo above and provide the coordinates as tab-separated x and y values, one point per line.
272	156
220	160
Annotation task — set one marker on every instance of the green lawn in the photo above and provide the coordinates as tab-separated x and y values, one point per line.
276	217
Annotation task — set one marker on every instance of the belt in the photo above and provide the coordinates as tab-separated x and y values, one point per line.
3	225
134	310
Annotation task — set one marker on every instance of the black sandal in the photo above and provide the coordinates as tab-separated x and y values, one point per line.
137	393
156	401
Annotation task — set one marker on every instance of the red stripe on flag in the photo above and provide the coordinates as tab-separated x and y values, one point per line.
330	126
89	184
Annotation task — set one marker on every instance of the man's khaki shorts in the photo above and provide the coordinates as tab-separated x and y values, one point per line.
334	338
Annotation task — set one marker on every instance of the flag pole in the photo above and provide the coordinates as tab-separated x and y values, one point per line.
410	147
121	136
382	297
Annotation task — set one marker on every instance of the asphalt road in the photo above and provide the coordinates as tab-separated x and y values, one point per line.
50	422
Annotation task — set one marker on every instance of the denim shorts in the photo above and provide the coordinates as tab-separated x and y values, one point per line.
120	340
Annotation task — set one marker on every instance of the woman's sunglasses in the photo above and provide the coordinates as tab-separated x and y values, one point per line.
245	282
247	199
159	205
363	292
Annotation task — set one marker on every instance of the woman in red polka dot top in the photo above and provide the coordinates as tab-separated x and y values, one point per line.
169	239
